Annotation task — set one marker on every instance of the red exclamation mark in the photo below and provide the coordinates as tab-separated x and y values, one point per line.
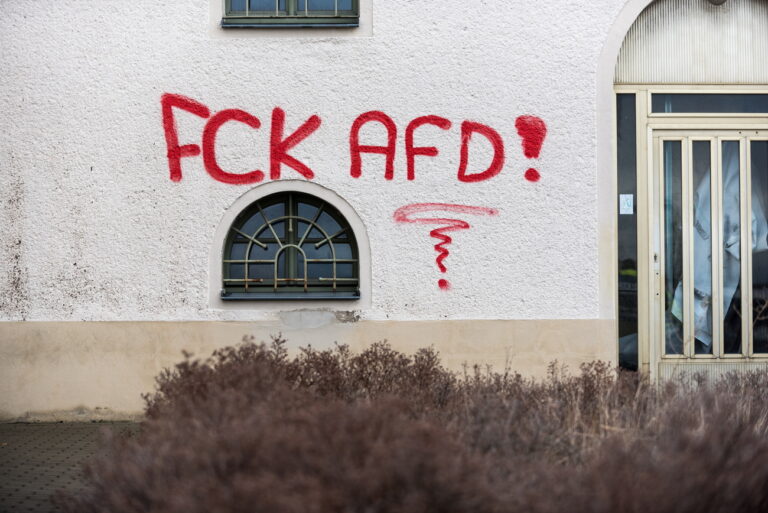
532	131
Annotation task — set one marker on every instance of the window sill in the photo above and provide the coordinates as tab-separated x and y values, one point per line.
288	23
236	296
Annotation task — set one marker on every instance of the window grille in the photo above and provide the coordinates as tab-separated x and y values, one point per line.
290	246
291	13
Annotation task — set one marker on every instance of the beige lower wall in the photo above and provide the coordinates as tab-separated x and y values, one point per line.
98	370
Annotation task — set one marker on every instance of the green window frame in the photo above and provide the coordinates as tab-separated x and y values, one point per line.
290	13
290	245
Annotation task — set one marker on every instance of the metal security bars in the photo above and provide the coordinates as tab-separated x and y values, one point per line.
290	246
290	13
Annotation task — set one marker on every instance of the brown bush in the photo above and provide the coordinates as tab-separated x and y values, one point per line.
251	429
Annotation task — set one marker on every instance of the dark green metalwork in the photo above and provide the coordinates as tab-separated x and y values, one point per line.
290	246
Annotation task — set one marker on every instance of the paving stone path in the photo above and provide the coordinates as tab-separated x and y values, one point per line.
38	459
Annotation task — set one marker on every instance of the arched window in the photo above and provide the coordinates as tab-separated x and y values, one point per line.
290	245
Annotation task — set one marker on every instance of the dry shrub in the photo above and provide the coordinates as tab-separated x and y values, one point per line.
256	371
705	453
252	429
311	457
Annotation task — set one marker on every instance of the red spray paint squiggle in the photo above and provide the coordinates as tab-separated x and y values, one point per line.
404	215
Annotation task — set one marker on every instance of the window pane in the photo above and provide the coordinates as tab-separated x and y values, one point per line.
234	271
702	246
250	226
712	103
312	252
263	271
325	5
627	224
238	251
759	174
302	230
313	235
731	224
673	247
278	228
237	7
320	270
268	253
328	224
273	211
299	259
282	267
266	5
311	232
344	270
316	235
343	251
307	211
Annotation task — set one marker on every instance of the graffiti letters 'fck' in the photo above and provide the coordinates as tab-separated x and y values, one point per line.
407	214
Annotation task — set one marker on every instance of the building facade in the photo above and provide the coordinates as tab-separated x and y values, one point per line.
513	183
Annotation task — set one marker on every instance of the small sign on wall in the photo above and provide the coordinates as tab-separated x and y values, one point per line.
626	204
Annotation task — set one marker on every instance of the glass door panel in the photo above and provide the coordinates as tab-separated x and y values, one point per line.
759	239
730	213
701	160
673	255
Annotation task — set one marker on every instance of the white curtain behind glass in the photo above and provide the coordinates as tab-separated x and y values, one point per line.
702	246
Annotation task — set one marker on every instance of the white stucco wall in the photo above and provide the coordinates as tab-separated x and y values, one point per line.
94	229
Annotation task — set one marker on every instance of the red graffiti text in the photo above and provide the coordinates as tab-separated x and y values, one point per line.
532	131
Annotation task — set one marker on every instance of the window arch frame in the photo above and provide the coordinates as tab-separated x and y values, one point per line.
277	304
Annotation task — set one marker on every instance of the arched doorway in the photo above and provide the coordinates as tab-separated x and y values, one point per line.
691	93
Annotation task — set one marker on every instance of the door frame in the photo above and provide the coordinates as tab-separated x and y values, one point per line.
647	122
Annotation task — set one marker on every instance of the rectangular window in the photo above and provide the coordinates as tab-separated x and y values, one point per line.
627	223
676	103
291	13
